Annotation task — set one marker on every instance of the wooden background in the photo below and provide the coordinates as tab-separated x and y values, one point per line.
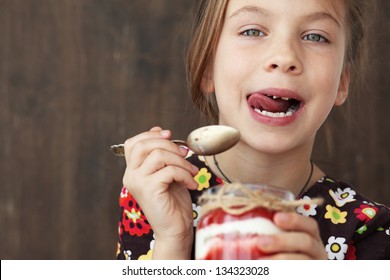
79	75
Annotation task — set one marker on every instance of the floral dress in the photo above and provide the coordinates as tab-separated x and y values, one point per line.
351	226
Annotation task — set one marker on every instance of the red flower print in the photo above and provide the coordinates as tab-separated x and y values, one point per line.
219	181
133	219
124	197
365	212
351	253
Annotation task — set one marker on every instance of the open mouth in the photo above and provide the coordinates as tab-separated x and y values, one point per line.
274	106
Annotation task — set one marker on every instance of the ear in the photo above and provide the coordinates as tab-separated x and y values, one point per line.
207	83
342	92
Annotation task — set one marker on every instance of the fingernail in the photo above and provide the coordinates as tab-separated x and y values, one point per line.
164	133
283	217
183	150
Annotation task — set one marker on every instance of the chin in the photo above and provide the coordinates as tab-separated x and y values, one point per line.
269	145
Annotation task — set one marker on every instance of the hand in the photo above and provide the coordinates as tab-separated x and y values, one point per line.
300	240
157	176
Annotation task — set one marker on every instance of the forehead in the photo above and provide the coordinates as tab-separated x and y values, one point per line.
289	8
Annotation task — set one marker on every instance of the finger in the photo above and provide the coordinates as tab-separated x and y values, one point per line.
292	243
290	221
312	243
156	128
170	174
285	256
139	184
142	149
160	158
153	133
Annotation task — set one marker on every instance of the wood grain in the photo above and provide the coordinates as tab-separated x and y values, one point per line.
78	76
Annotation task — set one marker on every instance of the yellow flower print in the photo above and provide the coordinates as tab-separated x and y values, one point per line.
203	179
133	215
147	256
335	215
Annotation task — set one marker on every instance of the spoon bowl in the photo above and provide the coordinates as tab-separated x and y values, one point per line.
205	141
212	139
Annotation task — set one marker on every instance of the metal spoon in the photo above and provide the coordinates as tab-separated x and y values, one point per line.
207	140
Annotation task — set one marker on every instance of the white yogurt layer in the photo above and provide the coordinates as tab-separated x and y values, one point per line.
257	225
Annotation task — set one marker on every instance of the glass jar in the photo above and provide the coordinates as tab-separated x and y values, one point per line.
232	218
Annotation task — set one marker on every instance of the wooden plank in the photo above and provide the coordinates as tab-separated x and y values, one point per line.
78	76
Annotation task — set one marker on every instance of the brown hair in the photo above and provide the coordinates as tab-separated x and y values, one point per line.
357	20
207	29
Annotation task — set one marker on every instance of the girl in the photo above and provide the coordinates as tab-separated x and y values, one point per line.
273	70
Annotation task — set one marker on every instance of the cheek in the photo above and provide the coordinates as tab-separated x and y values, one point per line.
230	64
233	74
326	80
226	79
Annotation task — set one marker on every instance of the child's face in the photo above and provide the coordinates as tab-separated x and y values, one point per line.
286	49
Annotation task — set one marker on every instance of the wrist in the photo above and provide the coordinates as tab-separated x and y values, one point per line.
170	248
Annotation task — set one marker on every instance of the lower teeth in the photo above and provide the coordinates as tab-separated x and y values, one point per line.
289	113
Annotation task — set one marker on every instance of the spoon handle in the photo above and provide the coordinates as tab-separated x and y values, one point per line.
119	150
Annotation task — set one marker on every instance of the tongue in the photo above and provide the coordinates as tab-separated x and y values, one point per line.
268	104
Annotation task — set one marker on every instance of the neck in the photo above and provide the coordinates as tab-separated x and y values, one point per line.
288	170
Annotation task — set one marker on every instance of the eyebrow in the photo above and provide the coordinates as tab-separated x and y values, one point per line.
250	9
311	17
322	16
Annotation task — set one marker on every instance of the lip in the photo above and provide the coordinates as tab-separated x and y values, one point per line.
279	92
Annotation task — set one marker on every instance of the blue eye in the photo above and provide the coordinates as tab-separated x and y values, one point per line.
315	38
253	33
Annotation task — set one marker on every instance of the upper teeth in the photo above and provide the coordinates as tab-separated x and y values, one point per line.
284	98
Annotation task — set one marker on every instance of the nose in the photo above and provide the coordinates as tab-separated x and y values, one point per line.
284	57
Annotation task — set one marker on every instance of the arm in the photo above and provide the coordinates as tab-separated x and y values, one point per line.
157	175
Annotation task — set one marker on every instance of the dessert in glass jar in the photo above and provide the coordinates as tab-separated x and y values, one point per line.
234	216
